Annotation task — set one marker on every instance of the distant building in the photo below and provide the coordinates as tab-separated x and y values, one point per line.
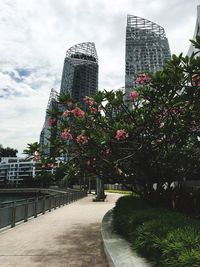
14	170
46	134
80	71
147	49
196	32
79	79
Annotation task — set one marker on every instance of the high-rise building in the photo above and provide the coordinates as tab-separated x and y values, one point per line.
147	49
46	134
79	79
196	32
80	71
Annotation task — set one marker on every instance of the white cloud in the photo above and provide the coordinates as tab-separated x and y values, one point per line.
35	35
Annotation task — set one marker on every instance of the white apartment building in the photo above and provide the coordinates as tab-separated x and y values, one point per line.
14	170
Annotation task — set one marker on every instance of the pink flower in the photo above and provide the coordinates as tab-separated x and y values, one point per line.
121	134
67	113
69	103
36	156
88	100
50	165
133	95
195	129
51	121
78	112
143	78
82	139
93	110
88	162
108	151
195	80
66	134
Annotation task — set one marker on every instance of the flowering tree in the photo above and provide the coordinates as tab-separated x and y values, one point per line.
155	138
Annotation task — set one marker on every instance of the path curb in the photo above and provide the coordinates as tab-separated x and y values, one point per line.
118	251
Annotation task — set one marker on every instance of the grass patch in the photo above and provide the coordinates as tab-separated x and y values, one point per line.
119	191
166	238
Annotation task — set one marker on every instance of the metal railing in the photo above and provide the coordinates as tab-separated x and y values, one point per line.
24	209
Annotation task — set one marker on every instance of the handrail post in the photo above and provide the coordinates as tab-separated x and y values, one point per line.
59	201
54	202
43	205
26	211
49	203
13	215
36	207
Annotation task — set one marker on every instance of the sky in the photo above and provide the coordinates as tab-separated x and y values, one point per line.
34	37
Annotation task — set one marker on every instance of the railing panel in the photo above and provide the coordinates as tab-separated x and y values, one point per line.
20	213
5	216
31	209
40	206
47	203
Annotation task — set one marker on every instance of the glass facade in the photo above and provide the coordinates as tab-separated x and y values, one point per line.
80	71
196	32
147	49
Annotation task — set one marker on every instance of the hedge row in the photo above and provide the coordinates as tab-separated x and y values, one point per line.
166	238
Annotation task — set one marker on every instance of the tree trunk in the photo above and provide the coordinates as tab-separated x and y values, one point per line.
100	189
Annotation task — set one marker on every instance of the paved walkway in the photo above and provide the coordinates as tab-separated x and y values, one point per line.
68	236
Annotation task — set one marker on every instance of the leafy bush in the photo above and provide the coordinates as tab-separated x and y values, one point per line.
167	238
181	247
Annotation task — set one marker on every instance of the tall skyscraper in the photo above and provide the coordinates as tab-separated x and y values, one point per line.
46	134
196	32
147	49
80	71
79	79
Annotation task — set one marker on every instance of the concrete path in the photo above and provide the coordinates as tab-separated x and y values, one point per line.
68	236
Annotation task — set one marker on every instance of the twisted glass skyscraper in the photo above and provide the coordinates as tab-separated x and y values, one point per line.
196	32
147	49
80	71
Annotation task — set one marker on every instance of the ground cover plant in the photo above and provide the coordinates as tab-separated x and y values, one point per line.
166	238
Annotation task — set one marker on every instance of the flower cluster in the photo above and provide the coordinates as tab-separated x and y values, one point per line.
48	165
82	139
79	113
66	134
67	113
121	134
166	113
88	100
195	80
91	163
195	129
133	95
69	103
93	110
106	153
36	156
143	78
51	121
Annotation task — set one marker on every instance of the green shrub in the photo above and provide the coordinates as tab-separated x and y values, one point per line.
181	247
147	238
123	213
167	238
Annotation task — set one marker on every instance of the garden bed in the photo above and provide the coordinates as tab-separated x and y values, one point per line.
166	238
